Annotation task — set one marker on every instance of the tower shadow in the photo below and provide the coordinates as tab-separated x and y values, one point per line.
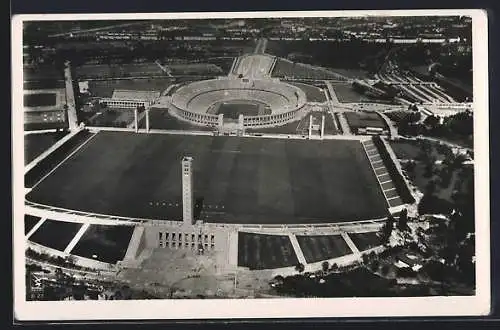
198	207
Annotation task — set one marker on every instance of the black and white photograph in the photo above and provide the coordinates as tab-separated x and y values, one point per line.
258	164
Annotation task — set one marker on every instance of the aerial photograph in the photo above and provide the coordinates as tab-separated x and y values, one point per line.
247	158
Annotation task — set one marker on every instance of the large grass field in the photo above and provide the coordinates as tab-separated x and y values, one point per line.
259	251
236	180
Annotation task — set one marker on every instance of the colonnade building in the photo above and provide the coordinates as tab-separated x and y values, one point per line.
130	99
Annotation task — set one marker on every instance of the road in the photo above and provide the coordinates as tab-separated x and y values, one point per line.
261	46
70	98
346	130
392	126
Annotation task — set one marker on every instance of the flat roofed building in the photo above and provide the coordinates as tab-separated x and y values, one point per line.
131	99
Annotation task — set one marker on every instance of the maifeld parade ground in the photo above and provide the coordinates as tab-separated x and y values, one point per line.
236	179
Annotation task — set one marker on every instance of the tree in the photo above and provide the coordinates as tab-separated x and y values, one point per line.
335	267
299	267
325	266
403	220
384	270
387	229
375	265
279	280
366	258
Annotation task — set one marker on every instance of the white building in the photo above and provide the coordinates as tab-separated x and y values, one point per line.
131	99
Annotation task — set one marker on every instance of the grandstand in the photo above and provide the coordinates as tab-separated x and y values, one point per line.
131	99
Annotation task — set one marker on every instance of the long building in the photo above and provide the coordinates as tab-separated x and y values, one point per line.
131	99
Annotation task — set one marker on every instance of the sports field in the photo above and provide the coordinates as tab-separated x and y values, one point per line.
104	243
322	247
236	180
36	144
233	109
29	222
365	241
55	234
259	251
40	99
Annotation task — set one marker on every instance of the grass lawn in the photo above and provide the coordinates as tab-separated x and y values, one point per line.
161	119
322	247
36	144
55	234
29	222
233	109
40	99
236	180
364	119
107	243
259	251
313	93
365	241
346	94
105	88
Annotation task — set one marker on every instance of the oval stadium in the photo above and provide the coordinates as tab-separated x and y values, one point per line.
259	103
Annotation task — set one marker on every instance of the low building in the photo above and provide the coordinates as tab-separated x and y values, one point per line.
366	123
131	99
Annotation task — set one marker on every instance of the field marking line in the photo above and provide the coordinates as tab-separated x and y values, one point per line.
377	161
349	242
390	189
378	168
393	198
297	249
386	173
64	160
386	181
35	227
76	238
